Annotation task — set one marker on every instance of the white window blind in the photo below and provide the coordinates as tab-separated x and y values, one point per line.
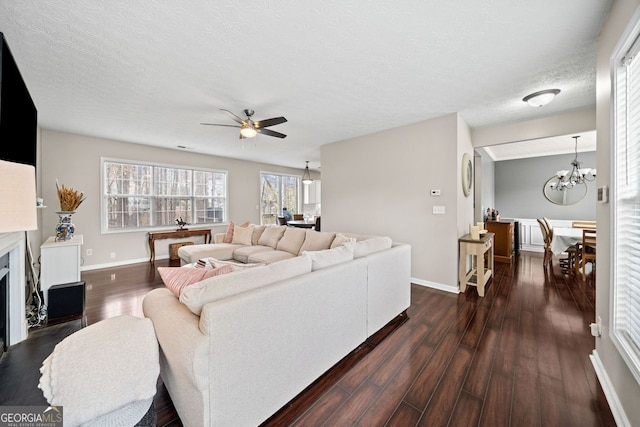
138	196
626	300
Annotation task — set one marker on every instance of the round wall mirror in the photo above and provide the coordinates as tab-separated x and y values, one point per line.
564	197
467	174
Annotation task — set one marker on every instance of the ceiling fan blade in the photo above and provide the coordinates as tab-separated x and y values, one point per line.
269	122
234	117
271	133
217	124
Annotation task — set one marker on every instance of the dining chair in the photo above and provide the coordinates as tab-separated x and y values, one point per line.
587	251
317	224
282	220
583	224
298	217
546	237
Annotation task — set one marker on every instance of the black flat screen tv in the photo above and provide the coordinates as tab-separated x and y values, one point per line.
18	114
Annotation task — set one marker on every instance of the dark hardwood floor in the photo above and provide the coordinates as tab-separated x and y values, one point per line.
517	357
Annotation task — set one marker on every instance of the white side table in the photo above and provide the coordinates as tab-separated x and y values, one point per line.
59	263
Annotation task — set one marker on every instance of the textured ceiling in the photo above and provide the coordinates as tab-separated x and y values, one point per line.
150	72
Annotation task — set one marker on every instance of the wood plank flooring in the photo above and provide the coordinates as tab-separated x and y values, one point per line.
517	357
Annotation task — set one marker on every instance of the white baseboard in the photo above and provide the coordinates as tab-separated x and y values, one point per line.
434	285
118	263
609	392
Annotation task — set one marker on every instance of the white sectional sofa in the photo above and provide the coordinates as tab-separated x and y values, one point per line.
238	347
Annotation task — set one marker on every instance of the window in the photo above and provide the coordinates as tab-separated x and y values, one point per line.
277	192
140	195
626	203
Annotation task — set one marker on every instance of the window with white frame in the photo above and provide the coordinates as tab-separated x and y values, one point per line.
137	195
626	202
278	191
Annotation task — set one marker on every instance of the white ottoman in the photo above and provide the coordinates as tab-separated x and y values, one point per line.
104	374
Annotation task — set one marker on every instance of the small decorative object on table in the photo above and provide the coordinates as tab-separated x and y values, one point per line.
181	224
69	200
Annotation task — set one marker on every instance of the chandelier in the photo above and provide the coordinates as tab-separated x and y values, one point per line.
568	179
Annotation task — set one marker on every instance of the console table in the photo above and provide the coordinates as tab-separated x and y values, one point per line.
177	234
480	273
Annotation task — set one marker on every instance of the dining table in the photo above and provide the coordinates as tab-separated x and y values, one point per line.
301	223
564	238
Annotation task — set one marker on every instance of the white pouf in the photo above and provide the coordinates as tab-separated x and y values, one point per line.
104	374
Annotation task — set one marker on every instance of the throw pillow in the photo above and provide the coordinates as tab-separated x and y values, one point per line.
341	239
242	235
198	295
292	240
228	237
317	241
178	278
369	246
271	236
257	233
329	257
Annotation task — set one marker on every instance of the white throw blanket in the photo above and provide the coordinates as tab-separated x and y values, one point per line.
103	367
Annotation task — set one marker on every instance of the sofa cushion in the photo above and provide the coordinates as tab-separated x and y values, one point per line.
192	253
317	241
196	296
329	257
176	279
340	240
292	240
271	235
365	247
243	252
228	237
270	257
257	232
242	235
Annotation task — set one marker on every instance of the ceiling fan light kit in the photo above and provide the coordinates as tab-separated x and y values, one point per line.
541	98
250	128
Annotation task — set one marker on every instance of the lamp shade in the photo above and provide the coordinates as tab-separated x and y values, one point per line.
17	197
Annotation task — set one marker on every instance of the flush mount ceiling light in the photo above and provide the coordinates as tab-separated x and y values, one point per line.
543	97
306	176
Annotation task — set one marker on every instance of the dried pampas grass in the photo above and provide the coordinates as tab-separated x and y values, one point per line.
69	198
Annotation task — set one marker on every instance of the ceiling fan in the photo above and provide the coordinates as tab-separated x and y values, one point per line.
250	128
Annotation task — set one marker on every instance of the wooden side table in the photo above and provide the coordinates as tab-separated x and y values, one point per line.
177	234
479	274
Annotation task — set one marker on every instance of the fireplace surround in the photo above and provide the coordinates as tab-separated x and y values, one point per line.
14	245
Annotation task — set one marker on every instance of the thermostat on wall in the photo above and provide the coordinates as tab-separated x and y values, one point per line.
603	194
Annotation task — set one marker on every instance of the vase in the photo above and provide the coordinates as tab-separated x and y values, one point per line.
65	228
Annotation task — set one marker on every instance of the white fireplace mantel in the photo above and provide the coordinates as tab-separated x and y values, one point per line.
15	245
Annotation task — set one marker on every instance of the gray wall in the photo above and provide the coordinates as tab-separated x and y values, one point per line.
519	183
74	160
380	184
487	183
622	379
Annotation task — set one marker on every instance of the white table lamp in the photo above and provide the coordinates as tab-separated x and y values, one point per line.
17	197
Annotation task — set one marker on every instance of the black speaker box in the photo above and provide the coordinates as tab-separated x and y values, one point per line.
66	300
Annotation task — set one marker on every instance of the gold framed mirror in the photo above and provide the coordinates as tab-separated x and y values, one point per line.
564	197
467	174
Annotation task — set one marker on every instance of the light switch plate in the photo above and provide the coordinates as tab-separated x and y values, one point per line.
435	192
438	210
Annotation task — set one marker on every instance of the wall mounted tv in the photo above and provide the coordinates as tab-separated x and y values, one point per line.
18	114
